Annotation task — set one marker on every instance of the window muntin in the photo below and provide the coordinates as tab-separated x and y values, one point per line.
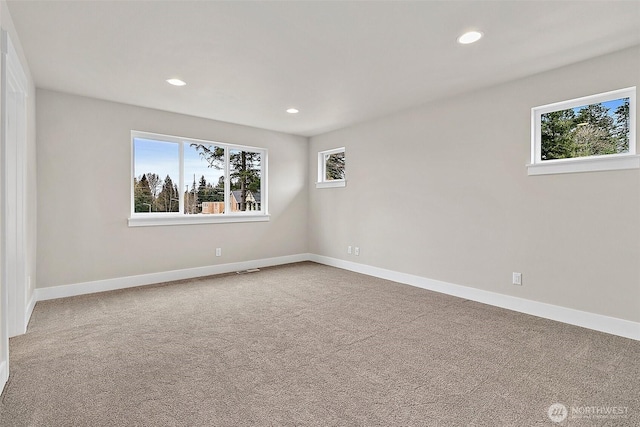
584	134
189	179
331	168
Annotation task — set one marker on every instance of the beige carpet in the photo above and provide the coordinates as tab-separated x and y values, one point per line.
309	345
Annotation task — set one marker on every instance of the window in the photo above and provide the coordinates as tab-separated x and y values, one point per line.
592	133
183	181
331	172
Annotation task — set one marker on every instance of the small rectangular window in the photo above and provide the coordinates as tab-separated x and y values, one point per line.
331	168
586	134
181	180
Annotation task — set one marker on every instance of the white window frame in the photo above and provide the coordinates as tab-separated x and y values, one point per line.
143	219
583	164
323	182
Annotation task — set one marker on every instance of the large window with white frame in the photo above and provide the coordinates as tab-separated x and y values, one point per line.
591	133
179	180
331	168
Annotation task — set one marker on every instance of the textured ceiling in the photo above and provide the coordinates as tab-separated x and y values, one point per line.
339	62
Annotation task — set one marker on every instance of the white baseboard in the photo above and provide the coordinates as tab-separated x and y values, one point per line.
63	291
28	310
4	375
598	322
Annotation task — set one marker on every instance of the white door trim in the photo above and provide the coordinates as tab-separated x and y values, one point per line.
14	288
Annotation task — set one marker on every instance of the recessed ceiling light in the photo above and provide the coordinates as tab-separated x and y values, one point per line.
292	111
470	37
176	82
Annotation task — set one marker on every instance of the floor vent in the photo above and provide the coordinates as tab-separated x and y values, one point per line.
251	270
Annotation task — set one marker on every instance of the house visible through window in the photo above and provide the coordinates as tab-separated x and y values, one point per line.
599	129
187	180
331	168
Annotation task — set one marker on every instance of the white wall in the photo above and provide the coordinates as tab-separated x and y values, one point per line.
84	168
442	192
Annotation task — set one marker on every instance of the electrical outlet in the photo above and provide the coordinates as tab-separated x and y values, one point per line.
218	251
356	251
517	279
349	250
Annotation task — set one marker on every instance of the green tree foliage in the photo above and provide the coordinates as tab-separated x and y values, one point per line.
334	166
220	186
155	184
622	126
143	199
556	134
591	130
167	200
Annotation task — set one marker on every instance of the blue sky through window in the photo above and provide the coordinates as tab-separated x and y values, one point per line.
163	158
159	157
610	105
195	166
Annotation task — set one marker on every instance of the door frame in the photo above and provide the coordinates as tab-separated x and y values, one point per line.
14	288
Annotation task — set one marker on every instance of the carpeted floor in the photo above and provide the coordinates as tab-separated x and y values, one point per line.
309	345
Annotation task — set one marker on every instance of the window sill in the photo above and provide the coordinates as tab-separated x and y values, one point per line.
584	165
331	184
150	220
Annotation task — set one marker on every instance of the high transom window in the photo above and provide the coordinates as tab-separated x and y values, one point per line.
585	134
